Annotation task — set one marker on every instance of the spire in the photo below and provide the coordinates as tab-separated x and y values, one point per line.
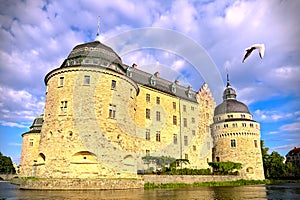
227	77
98	31
229	92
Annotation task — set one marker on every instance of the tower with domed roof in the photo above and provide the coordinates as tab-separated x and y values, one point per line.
237	136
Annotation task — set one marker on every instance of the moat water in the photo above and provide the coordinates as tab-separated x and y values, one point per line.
289	191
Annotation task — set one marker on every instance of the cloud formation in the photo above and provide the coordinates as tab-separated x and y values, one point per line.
37	35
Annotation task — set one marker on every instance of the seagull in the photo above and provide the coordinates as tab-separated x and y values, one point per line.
261	50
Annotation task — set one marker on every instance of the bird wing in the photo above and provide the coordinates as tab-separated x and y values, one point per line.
248	52
260	48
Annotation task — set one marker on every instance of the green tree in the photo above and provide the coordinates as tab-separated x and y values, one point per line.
225	167
160	161
6	165
265	157
274	166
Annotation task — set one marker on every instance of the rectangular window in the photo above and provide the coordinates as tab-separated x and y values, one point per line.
147	134
64	107
255	144
95	62
87	80
31	144
193	120
251	125
225	125
233	143
157	100
147	113
184	108
186	156
147	97
174	105
185	140
234	125
192	108
147	152
61	81
158	136
113	84
194	148
174	120
112	111
175	138
243	116
157	116
244	124
184	122
193	132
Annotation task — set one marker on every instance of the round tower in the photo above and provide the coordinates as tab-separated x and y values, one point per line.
237	136
30	144
90	104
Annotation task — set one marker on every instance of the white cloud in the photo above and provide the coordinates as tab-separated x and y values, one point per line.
38	35
291	127
19	107
272	115
273	132
13	124
14	144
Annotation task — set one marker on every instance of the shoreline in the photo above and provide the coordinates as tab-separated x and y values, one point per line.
123	184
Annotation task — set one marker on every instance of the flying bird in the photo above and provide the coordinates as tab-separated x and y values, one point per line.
259	47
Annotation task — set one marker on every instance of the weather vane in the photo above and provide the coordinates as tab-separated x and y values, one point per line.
98	32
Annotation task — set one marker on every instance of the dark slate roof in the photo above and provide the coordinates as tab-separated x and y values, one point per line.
36	126
231	106
163	85
93	50
104	56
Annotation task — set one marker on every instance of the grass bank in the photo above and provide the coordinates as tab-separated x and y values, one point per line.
227	183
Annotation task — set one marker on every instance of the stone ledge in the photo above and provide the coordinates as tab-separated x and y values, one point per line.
189	179
81	184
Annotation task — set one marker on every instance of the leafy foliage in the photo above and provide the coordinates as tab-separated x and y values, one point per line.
6	165
160	161
225	167
274	166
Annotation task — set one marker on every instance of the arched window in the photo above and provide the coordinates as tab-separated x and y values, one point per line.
41	158
82	157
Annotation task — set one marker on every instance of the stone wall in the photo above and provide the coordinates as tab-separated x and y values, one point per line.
189	179
30	144
81	184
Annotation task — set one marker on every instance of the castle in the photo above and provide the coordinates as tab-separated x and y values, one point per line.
102	116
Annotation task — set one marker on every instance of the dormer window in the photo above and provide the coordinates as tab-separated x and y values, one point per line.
104	63
189	92
152	80
129	72
173	88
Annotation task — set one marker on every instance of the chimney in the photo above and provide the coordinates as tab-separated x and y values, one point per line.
156	74
176	82
134	65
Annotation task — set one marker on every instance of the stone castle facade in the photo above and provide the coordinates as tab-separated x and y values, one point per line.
102	116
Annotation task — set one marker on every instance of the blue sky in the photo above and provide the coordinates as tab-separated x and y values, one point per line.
36	36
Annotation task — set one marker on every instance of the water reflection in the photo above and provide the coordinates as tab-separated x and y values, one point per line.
282	191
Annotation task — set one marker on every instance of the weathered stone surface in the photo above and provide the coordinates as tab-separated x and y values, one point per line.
81	184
